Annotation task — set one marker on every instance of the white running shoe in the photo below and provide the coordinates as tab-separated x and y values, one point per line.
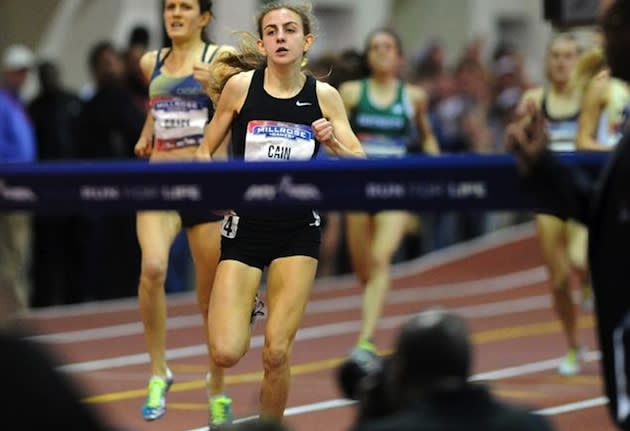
571	364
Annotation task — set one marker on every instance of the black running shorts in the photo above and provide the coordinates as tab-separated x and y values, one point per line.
258	244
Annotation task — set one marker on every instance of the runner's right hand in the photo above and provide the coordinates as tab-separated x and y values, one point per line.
143	148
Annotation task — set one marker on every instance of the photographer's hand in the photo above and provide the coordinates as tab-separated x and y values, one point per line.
527	141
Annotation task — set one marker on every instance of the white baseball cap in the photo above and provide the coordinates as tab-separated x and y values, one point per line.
17	57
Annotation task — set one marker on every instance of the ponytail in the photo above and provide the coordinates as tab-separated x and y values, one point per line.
231	63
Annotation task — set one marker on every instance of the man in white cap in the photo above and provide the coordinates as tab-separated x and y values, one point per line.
17	145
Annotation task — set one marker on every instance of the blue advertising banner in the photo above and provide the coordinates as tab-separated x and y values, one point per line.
448	182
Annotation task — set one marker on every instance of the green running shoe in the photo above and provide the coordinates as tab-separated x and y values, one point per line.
220	409
155	404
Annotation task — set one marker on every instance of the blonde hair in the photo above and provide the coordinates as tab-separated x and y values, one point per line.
248	56
589	64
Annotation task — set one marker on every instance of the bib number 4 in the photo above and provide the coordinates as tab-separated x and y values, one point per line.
229	227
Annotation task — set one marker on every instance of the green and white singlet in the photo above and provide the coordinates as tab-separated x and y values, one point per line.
384	131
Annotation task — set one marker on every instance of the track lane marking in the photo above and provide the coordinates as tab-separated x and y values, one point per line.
435	259
520	305
479	338
500	283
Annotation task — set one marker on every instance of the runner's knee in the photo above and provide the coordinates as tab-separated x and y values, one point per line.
275	357
225	356
154	270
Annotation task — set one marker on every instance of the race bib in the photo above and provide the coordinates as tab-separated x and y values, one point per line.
178	123
383	146
229	227
275	141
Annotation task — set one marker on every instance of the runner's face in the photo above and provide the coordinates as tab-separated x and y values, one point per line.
383	53
561	61
283	39
183	19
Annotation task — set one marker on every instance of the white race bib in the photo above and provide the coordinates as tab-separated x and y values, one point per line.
275	141
229	226
179	123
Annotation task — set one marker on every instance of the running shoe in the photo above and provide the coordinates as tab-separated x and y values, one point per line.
220	412
570	365
155	404
366	356
258	312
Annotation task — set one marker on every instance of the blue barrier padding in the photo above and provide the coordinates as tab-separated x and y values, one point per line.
448	182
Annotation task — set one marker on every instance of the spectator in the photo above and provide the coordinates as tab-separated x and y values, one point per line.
17	145
110	122
34	382
424	385
109	126
55	113
136	81
429	66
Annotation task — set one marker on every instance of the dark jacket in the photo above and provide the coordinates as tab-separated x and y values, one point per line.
471	408
604	206
36	395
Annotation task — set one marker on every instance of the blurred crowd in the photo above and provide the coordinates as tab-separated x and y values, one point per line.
78	257
82	257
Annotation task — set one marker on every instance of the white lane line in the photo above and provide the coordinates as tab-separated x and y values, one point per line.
494	309
534	367
516	371
423	263
572	407
335	404
115	331
101	307
500	283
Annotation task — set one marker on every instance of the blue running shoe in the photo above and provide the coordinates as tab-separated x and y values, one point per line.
220	412
155	404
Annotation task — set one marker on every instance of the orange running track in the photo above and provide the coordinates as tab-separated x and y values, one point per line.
497	282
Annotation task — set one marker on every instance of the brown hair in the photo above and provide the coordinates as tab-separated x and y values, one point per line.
205	6
366	49
248	57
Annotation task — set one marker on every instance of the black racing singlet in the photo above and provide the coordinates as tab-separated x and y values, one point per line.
562	130
272	129
268	128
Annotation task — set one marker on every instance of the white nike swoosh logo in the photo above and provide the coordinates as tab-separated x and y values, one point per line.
298	103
